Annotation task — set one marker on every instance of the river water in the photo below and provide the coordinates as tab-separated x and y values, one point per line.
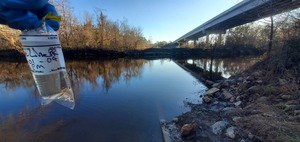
118	100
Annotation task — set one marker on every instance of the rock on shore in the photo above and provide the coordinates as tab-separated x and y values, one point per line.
246	107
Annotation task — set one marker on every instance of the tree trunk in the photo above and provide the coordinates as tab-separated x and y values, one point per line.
271	34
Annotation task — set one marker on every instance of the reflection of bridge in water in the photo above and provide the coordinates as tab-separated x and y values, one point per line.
198	72
215	69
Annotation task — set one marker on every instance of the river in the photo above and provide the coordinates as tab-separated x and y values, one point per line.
115	100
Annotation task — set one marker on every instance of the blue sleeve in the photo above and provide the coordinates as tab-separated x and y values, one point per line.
26	19
19	19
24	4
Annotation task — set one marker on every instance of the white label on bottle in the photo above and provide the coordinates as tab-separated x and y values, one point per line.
45	60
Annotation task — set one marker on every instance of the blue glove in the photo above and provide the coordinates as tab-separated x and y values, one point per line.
26	14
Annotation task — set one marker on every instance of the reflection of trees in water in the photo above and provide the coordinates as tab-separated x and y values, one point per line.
13	74
25	126
110	71
227	67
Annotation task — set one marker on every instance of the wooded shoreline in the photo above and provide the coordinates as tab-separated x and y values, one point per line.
151	53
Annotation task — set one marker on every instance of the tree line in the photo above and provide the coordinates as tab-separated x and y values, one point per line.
274	30
95	31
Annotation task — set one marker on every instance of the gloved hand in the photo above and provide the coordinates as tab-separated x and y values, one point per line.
26	14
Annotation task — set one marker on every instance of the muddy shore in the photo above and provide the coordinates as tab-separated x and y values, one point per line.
255	105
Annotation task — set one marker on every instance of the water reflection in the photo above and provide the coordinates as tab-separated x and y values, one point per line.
111	71
216	69
22	119
14	74
116	100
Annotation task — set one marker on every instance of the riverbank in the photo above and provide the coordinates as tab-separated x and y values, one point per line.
151	53
259	104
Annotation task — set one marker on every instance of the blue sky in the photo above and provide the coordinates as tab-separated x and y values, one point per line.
160	20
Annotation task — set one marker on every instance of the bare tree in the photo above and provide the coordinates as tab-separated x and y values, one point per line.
101	25
67	23
87	31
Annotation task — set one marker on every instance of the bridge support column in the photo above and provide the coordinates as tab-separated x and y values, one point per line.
195	43
207	41
219	39
182	43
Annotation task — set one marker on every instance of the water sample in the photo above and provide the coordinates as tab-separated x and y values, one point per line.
45	58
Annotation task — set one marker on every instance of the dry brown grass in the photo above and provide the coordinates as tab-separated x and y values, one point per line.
270	129
272	124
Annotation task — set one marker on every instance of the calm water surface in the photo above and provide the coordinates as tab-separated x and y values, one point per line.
116	100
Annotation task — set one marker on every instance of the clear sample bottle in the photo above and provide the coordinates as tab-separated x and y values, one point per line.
45	58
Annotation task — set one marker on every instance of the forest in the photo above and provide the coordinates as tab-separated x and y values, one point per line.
97	31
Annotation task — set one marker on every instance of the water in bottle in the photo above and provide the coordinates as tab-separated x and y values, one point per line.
45	58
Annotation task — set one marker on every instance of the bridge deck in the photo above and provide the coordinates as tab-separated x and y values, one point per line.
242	13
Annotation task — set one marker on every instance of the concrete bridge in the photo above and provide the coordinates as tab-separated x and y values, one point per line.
244	12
